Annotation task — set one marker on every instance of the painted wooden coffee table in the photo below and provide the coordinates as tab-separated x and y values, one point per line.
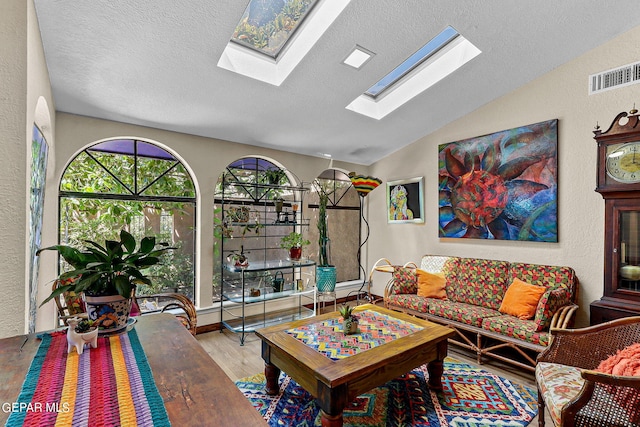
336	368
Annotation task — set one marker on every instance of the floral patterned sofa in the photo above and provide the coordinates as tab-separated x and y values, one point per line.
475	289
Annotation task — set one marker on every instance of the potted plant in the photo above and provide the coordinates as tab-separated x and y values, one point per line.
294	243
349	320
325	272
238	258
81	332
107	275
275	176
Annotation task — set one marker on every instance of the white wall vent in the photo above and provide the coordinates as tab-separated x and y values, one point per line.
614	78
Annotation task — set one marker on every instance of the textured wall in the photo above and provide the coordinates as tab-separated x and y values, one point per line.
560	94
13	75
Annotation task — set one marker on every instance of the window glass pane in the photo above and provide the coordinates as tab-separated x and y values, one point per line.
343	221
630	251
85	175
110	168
267	25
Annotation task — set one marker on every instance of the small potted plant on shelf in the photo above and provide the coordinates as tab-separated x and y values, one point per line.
106	275
238	258
349	320
275	176
294	243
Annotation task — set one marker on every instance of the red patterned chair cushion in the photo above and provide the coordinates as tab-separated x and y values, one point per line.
478	281
460	312
405	281
511	326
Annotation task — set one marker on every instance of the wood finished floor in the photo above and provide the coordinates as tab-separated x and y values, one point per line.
242	361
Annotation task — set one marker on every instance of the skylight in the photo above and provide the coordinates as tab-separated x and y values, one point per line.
267	25
272	61
437	59
413	61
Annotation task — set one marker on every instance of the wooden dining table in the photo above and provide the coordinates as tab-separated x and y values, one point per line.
195	390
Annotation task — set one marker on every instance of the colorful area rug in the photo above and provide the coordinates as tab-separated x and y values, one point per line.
110	385
471	397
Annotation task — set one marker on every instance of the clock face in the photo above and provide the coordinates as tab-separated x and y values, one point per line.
623	163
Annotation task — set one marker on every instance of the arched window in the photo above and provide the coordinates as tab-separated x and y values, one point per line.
253	186
138	186
343	221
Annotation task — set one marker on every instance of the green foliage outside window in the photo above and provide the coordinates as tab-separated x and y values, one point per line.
102	193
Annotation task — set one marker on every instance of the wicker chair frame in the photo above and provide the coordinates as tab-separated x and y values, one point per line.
585	348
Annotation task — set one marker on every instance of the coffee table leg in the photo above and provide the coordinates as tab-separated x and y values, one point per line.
272	373
436	367
331	420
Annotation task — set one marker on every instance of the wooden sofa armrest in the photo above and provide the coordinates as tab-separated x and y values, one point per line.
563	318
586	347
603	394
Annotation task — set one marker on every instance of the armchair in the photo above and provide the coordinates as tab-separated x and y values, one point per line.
571	389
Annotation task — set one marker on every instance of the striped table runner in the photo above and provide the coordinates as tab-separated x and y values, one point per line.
111	385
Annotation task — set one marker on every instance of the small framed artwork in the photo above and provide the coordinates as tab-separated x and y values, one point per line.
405	201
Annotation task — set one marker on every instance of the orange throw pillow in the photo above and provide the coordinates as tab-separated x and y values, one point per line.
431	285
521	299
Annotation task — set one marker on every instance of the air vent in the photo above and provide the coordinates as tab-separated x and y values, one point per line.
612	79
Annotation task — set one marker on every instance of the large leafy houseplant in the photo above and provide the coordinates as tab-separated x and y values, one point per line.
112	269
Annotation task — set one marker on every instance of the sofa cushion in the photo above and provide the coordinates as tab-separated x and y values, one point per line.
513	327
477	281
549	303
549	276
433	263
460	312
558	384
431	285
521	299
405	280
409	301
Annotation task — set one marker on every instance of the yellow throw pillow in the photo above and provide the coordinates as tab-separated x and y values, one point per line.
431	285
521	299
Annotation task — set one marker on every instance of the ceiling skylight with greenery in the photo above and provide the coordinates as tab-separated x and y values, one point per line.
267	25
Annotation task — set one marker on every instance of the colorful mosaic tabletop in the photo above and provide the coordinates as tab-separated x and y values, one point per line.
374	328
111	385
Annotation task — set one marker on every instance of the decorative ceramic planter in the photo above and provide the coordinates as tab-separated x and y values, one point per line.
78	340
326	279
109	313
351	328
295	253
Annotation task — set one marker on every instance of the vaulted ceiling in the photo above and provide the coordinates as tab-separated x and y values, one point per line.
154	63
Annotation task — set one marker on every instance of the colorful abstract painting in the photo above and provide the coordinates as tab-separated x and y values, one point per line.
501	186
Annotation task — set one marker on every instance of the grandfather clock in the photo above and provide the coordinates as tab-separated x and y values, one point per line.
619	185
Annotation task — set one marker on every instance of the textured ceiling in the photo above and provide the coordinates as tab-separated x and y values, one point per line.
153	63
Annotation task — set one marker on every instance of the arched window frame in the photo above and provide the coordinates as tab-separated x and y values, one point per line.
133	190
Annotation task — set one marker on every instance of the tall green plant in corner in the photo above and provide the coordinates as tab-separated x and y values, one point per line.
323	237
325	272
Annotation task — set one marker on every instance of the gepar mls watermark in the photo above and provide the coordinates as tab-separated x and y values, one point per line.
8	407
